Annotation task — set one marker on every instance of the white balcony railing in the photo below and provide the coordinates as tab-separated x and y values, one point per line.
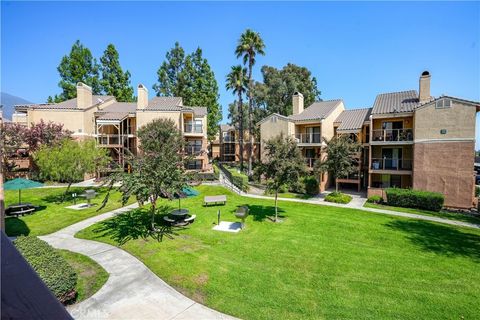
192	128
111	139
310	162
308	138
392	135
391	164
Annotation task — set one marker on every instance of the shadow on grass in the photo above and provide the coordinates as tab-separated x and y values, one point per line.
61	197
15	227
439	239
134	225
260	213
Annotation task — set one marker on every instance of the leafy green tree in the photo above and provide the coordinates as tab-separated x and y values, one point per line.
158	170
249	45
114	81
237	82
78	66
283	164
190	77
339	161
275	93
69	160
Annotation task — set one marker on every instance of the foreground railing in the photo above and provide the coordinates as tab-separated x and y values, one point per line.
308	137
391	135
391	164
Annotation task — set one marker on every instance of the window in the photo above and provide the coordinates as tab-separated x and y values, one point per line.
443	103
273	119
194	147
194	165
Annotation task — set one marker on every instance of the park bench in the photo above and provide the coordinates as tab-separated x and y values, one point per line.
215	200
191	219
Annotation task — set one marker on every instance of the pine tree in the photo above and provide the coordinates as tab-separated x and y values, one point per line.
114	81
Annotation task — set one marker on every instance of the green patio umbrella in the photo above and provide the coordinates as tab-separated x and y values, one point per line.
20	184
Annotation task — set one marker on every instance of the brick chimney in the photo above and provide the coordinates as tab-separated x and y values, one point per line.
424	87
84	96
142	97
297	102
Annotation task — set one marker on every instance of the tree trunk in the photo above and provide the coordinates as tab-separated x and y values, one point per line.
153	201
250	117
66	191
276	208
240	128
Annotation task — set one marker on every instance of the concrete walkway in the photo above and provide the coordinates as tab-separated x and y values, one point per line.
132	290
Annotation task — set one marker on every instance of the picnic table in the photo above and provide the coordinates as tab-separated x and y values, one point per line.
179	213
19	209
215	199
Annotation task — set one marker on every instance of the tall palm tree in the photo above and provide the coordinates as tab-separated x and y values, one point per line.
237	82
249	45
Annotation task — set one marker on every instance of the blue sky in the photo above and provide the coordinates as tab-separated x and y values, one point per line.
355	50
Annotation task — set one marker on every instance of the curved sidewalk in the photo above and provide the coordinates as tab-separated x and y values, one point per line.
132	290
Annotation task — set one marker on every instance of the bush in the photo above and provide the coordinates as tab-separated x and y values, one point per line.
241	181
216	171
375	199
311	185
477	191
51	267
338	197
409	198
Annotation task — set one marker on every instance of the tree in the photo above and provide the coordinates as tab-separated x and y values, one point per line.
275	93
158	170
249	45
114	81
237	82
69	160
283	164
78	66
190	77
42	133
339	161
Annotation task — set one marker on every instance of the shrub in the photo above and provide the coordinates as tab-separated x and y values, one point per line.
409	198
477	191
297	187
338	197
375	199
240	180
311	185
51	267
216	171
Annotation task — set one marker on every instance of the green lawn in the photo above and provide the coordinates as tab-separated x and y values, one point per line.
322	262
290	195
441	214
91	276
52	215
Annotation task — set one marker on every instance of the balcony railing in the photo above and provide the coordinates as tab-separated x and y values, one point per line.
308	137
391	164
228	139
192	128
193	150
111	139
392	135
310	162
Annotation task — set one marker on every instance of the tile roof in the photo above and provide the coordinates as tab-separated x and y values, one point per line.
113	116
353	119
165	104
120	107
318	110
396	102
70	104
198	111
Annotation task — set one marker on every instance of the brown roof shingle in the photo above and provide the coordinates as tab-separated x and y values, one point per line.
70	104
396	102
350	120
165	104
318	110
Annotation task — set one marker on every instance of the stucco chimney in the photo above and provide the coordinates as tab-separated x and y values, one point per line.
297	102
84	96
142	97
424	87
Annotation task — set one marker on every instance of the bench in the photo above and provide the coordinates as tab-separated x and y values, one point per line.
19	212
191	219
215	200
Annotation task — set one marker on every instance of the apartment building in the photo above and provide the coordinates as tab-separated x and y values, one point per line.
226	146
409	140
308	126
115	124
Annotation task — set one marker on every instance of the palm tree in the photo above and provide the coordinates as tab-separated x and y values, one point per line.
237	82
249	45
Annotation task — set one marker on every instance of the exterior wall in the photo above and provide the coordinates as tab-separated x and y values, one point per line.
327	124
458	121
407	122
144	117
446	167
270	129
73	120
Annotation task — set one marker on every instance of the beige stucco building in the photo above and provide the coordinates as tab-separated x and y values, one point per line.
114	124
409	140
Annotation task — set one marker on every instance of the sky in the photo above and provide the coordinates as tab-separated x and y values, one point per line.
355	50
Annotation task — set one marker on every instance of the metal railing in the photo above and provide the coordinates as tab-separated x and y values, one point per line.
391	164
111	139
192	128
310	162
392	135
308	137
193	150
228	139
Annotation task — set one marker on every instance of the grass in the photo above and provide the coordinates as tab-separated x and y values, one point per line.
289	195
441	214
52	215
320	262
91	276
338	197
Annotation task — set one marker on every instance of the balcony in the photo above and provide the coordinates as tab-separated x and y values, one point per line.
228	139
308	138
111	139
193	128
310	162
193	150
393	136
391	164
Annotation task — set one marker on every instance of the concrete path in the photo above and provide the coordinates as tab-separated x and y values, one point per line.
132	291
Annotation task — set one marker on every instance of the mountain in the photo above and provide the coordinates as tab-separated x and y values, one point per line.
8	101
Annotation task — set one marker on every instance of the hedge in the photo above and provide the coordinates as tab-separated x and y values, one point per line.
52	268
374	199
338	197
410	198
311	185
